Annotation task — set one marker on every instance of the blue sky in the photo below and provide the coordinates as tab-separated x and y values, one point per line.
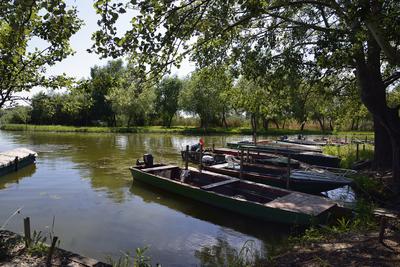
79	65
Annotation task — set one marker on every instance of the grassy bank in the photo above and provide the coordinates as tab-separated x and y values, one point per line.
161	129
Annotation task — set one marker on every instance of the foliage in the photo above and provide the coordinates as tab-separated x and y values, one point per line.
18	115
348	153
222	254
38	245
23	25
303	41
204	95
139	260
167	97
131	103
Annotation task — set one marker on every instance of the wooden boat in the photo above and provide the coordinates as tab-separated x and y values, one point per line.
305	142
312	158
278	145
16	159
307	181
259	157
244	197
209	158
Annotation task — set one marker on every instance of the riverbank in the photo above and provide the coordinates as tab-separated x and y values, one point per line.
345	249
14	253
173	129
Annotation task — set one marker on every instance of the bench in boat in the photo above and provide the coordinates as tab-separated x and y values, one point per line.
211	186
303	203
160	168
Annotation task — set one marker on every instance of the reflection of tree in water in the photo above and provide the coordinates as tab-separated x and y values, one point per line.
223	254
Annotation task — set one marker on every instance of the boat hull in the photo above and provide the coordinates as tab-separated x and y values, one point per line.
240	206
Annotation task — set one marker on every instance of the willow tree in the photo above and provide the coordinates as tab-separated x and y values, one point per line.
33	36
344	38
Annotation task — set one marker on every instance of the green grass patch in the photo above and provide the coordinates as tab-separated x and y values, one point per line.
348	153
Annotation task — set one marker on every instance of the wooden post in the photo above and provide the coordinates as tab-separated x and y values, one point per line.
357	151
187	157
201	157
213	147
345	139
241	163
27	231
288	175
382	229
51	251
16	163
248	155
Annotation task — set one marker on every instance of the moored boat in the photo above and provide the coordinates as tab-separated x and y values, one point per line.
15	159
307	181
244	197
309	157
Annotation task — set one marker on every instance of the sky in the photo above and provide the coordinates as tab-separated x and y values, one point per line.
79	64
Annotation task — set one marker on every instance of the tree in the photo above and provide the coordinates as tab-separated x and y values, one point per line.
132	103
342	37
167	96
102	80
203	94
22	65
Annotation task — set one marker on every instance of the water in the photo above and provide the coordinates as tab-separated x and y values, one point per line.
84	182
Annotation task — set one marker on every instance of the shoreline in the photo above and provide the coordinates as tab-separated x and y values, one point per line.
13	252
185	130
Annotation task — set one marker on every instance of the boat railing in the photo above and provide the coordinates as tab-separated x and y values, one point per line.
337	171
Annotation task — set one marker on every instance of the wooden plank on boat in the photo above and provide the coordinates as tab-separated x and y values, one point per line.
160	168
210	186
303	203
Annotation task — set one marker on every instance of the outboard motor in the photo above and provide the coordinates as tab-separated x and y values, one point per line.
207	160
148	160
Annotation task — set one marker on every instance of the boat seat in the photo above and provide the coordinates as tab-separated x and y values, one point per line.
210	186
160	168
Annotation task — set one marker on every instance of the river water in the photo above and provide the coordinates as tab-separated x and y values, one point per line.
83	181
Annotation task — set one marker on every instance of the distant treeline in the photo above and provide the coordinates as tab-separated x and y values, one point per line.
209	97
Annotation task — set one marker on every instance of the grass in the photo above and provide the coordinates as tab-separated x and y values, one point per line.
348	153
156	129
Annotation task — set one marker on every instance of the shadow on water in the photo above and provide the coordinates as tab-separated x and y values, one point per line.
260	229
15	177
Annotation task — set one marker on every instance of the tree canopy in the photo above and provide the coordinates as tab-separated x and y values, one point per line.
348	39
49	25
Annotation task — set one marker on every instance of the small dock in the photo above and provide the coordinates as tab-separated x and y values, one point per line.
15	159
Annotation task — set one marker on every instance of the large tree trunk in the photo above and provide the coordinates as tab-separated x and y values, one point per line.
321	124
276	123
253	119
373	95
383	149
266	124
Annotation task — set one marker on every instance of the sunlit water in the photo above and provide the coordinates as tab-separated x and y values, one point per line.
84	182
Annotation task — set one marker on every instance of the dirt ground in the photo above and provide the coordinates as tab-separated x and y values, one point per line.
346	250
13	253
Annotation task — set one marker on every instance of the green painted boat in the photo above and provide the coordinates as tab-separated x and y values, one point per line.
247	198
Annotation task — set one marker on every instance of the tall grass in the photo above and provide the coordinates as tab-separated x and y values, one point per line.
348	153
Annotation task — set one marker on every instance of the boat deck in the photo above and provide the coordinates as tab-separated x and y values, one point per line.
15	159
303	203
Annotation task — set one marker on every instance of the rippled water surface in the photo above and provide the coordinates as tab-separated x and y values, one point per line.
83	180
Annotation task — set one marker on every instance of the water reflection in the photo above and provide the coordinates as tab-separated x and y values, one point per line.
15	177
257	228
84	180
